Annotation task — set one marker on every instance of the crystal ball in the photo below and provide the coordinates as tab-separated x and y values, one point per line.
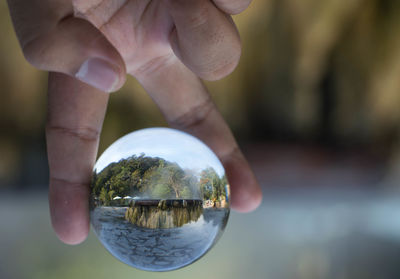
159	199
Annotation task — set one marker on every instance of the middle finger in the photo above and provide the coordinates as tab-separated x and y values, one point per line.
187	106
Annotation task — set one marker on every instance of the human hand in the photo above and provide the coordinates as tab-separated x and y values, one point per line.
167	45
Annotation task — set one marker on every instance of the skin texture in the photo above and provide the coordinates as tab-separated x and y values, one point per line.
90	46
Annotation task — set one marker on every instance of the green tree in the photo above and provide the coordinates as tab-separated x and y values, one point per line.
103	197
186	193
161	191
143	176
211	185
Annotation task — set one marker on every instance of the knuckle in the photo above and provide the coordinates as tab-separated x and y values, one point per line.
98	12
73	185
85	134
231	155
194	117
154	65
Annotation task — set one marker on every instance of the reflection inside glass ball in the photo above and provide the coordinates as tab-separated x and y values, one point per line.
159	199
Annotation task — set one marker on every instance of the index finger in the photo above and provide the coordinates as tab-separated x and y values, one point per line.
75	117
187	106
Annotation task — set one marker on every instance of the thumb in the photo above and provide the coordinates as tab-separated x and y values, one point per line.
76	48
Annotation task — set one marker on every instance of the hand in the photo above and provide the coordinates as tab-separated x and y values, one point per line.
167	45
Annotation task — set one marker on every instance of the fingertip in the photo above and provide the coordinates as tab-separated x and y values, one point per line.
211	72
71	230
215	70
120	69
247	201
246	194
68	229
232	7
72	239
69	211
222	70
204	38
101	74
78	49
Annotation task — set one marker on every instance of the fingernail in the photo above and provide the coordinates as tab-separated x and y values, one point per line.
99	73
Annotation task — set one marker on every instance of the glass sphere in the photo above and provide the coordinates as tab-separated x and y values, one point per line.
159	199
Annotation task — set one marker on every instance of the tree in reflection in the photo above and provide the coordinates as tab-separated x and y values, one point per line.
211	185
155	178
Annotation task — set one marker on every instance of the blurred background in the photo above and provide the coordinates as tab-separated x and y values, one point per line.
314	103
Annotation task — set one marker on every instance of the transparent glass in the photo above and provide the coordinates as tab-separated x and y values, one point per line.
159	199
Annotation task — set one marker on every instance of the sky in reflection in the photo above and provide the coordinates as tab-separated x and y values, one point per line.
172	145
